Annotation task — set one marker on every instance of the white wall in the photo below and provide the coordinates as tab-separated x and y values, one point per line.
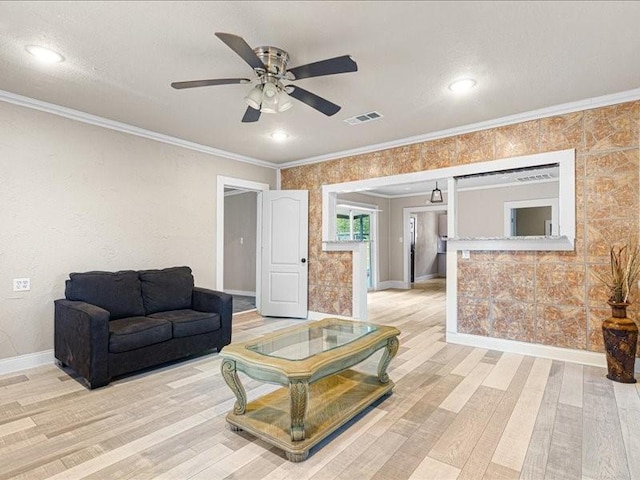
76	197
240	223
426	248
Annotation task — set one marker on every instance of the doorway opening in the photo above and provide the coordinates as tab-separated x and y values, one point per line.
240	235
238	240
425	240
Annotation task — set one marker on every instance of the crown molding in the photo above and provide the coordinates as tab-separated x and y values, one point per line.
596	102
562	109
126	128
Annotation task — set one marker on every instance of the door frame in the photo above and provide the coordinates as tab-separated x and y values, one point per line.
509	207
248	185
406	234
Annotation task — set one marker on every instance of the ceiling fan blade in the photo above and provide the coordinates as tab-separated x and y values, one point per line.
313	100
251	115
206	83
238	45
331	66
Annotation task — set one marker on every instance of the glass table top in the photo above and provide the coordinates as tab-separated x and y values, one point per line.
316	339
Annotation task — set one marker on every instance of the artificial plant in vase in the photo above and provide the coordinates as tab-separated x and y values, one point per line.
621	333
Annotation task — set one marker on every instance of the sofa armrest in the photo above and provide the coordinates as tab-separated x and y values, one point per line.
205	300
81	340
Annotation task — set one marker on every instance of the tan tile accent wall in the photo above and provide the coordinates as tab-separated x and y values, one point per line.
513	281
518	139
475	147
612	127
473	316
562	132
562	326
513	320
439	153
551	298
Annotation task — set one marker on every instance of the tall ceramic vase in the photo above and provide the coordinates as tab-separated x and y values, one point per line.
620	342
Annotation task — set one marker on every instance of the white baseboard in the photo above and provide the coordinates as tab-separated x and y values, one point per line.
240	292
593	359
392	284
319	316
426	277
245	311
23	362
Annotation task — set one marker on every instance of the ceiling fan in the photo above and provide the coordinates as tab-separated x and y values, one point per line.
270	95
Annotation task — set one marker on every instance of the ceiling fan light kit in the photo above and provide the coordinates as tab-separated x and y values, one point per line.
254	98
270	95
284	102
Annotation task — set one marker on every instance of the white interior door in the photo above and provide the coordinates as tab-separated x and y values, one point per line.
284	253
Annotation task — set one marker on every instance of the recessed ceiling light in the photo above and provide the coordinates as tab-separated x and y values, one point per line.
44	55
462	85
279	136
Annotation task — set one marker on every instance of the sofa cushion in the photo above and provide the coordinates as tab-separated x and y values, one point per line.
117	292
189	322
167	289
136	332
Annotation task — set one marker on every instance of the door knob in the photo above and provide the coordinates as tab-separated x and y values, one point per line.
304	260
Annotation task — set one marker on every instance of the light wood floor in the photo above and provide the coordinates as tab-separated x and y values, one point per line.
456	413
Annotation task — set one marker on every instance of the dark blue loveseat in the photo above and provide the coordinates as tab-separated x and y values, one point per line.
112	323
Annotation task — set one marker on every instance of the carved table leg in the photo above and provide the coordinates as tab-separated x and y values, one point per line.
297	457
389	352
299	391
230	376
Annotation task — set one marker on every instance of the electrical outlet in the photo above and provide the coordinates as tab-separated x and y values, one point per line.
21	284
466	255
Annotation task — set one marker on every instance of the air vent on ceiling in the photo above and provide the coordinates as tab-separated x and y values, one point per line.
365	117
535	178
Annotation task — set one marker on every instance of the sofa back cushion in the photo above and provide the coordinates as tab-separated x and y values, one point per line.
166	289
117	292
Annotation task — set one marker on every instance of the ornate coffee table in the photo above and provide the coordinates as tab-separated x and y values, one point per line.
322	393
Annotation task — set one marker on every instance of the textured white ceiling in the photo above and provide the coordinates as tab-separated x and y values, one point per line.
122	56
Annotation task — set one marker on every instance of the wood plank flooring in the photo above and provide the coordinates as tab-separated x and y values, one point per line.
456	413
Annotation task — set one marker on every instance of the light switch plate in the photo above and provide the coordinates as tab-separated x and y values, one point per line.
466	255
21	284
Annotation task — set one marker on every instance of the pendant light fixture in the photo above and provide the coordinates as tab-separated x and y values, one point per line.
436	195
